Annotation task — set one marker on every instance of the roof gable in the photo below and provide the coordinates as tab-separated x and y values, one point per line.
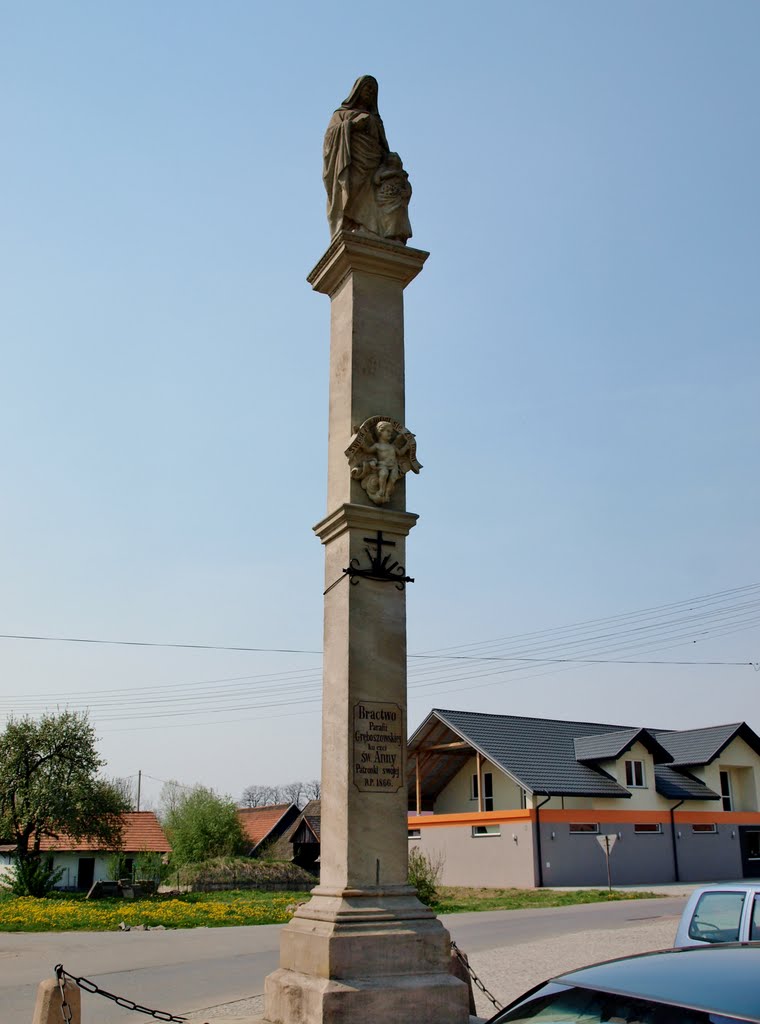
701	746
602	746
259	822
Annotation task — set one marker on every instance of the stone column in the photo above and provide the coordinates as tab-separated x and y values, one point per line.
364	948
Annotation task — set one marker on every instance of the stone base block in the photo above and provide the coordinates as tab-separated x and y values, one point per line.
293	998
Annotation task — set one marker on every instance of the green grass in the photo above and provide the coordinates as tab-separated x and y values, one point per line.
460	900
72	912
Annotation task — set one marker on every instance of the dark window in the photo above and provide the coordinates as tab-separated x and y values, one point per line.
725	791
648	826
708	829
634	774
584	827
486	830
487	791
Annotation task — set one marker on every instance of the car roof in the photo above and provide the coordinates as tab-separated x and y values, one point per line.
719	979
729	887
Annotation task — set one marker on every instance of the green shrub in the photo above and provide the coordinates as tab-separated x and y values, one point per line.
31	876
151	865
116	866
424	874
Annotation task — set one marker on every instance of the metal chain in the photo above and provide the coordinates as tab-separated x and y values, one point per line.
462	957
90	986
65	1008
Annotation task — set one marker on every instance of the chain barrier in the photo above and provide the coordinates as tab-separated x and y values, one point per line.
462	958
90	986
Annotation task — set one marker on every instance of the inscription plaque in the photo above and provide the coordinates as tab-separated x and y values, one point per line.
378	746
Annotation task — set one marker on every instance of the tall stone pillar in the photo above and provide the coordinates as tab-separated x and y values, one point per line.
364	948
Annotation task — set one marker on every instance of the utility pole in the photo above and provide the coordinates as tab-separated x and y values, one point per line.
139	785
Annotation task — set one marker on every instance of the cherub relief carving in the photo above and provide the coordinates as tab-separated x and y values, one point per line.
381	452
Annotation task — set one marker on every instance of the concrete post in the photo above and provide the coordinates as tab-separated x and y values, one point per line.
47	1008
364	947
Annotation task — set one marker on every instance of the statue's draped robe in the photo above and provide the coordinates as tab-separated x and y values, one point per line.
352	155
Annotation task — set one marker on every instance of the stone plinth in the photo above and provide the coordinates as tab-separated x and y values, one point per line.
364	948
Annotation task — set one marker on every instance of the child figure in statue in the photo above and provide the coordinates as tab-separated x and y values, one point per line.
392	194
386	460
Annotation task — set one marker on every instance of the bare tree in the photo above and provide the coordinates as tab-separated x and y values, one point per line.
170	797
125	787
256	796
293	793
312	789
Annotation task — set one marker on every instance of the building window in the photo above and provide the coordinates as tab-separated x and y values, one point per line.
653	827
414	833
486	830
523	799
725	791
634	774
583	828
704	829
487	790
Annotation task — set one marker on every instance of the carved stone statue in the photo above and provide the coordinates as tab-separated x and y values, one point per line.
367	187
381	452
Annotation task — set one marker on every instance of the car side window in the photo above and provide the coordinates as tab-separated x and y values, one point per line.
754	928
717	917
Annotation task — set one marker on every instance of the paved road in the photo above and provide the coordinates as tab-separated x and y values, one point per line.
192	969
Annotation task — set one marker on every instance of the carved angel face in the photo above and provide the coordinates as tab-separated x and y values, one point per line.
384	431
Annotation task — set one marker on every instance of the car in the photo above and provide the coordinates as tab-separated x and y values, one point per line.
723	912
718	984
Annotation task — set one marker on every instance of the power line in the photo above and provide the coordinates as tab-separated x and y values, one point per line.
669	626
701	599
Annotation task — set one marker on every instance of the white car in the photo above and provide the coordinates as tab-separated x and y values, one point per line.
724	912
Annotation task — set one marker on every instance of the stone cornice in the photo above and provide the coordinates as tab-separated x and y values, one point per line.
364	517
352	251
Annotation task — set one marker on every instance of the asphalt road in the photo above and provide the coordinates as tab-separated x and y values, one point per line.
188	970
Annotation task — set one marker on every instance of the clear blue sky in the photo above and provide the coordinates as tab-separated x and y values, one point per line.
583	359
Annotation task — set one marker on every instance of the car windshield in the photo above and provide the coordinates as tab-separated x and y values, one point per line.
554	1004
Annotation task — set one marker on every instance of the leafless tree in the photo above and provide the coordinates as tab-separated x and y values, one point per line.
312	789
259	796
170	797
126	788
293	793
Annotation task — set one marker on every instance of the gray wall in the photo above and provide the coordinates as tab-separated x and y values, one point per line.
705	857
491	861
580	860
639	859
636	859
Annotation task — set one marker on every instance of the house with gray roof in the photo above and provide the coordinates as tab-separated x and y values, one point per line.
507	800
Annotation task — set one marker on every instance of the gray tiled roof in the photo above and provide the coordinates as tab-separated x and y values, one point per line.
679	785
604	745
538	752
698	746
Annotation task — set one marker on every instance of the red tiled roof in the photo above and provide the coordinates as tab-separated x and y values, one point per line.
141	833
258	822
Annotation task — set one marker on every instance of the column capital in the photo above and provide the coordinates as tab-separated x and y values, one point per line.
352	251
364	517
